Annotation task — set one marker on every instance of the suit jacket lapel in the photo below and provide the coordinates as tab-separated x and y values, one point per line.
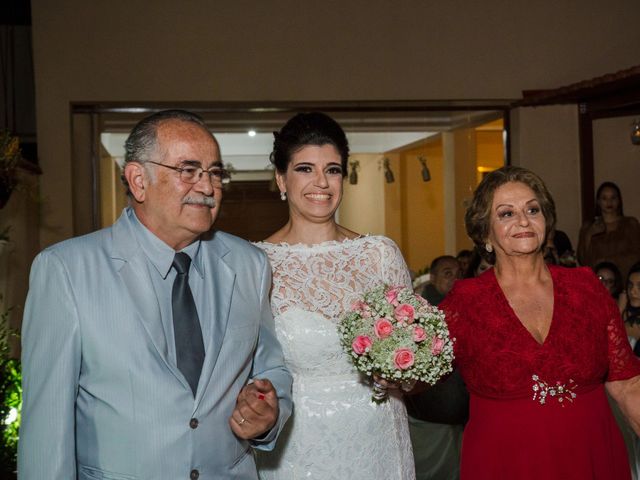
219	280
133	269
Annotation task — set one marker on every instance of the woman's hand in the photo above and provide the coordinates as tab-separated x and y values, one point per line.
405	386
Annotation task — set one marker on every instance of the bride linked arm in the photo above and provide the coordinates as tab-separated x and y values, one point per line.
394	268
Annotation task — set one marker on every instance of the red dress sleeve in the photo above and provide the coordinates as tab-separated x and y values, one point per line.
453	307
623	364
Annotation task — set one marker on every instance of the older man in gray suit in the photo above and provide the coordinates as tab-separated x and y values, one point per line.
148	347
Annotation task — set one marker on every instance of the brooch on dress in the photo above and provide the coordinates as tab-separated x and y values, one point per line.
560	391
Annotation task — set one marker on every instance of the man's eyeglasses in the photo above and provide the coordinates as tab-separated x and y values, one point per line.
192	174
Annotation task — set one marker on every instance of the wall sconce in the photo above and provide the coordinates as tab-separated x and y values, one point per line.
426	174
388	174
353	174
635	132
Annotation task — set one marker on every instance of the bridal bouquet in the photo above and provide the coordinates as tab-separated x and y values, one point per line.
397	335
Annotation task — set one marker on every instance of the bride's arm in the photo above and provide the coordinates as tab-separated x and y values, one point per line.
394	268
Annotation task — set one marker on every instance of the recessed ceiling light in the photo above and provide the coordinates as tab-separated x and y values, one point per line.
251	133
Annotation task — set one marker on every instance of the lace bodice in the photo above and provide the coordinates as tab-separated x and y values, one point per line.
327	277
497	356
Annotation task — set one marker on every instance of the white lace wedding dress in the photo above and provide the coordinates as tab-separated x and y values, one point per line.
335	432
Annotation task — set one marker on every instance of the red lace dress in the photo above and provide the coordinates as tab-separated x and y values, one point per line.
539	411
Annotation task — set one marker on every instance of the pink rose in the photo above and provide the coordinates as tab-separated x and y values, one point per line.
403	358
361	343
383	328
358	305
419	334
362	308
422	300
392	295
437	345
404	313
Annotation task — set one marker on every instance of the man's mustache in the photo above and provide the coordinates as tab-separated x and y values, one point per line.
208	201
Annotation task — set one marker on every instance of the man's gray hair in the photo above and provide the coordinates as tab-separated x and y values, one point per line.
142	140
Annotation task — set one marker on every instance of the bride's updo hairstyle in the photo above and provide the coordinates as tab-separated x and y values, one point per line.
305	129
477	219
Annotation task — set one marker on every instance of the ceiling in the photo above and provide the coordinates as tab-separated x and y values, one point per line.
370	127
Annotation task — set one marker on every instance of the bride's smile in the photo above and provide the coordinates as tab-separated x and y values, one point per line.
313	182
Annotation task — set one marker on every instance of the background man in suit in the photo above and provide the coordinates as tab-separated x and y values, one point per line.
443	272
438	414
148	347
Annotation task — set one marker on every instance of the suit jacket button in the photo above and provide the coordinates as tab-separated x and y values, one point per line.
194	474
193	423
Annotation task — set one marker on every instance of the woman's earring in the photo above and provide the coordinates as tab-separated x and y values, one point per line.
488	247
283	196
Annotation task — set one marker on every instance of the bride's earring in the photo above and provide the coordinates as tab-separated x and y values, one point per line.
283	196
488	247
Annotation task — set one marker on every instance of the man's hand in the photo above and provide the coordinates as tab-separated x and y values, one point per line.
256	410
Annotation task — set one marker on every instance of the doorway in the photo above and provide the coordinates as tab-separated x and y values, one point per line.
454	143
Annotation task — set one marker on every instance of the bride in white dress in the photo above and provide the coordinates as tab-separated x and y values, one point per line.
319	269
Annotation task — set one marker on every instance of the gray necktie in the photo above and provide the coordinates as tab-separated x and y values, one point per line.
186	325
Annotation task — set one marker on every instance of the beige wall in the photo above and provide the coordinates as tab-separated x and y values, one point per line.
393	202
167	51
545	140
414	209
617	160
362	207
423	221
426	219
465	158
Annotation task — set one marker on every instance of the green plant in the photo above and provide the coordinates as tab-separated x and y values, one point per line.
10	400
10	156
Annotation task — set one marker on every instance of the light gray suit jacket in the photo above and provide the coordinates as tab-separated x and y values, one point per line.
101	399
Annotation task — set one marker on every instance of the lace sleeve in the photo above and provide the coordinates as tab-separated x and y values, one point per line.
394	268
623	363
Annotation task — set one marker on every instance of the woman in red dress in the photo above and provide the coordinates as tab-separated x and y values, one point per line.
537	345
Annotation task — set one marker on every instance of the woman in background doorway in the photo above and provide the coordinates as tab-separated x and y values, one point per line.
610	236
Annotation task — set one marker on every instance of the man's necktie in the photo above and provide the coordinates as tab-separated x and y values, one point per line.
186	325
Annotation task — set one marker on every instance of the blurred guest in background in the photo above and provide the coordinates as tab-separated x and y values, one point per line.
610	276
437	415
464	259
610	235
558	250
477	265
630	306
443	272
